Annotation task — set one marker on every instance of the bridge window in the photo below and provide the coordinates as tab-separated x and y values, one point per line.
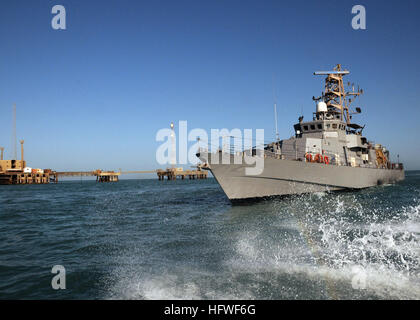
306	128
319	126
312	127
334	126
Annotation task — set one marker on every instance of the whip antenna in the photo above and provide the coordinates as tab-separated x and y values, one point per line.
275	111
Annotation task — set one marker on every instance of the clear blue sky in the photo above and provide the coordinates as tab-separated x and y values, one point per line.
94	95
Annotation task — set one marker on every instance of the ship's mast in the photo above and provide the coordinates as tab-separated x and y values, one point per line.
335	95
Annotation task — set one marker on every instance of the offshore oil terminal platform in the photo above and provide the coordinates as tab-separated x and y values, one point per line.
17	172
13	172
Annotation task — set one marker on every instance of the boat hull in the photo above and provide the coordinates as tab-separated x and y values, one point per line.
288	177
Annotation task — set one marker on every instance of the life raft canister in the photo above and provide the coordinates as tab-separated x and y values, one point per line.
318	158
326	160
308	157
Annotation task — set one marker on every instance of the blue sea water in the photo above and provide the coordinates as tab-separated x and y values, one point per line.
149	239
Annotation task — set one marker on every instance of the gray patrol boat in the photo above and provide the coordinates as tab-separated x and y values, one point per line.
329	153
